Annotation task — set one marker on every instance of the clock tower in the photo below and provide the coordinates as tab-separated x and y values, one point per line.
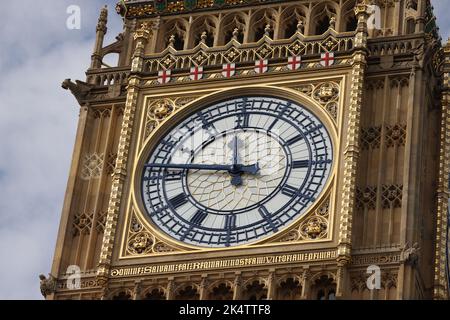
260	150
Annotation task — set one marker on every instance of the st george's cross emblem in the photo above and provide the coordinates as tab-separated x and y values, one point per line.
196	73
261	66
294	62
229	70
164	76
327	59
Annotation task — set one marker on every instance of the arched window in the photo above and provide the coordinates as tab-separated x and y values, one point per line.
203	30
221	291
122	295
410	26
255	291
289	289
292	20
233	26
351	24
174	34
324	288
349	21
187	293
323	15
262	23
155	294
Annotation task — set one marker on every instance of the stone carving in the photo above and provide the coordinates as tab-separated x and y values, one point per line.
92	166
101	221
326	93
159	110
370	138
366	198
314	227
79	89
140	241
395	135
48	285
391	196
409	254
82	223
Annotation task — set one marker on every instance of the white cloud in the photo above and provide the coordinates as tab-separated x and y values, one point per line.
37	128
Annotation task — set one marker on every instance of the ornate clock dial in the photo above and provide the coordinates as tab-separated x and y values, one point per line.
237	171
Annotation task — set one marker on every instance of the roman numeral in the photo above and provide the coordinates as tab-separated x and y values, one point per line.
294	140
230	222
300	164
199	217
289	191
243	120
178	200
207	125
282	112
268	217
172	176
166	176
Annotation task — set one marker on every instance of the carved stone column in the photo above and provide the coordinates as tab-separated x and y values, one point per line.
137	291
306	284
441	290
351	151
170	289
237	286
120	172
271	285
203	294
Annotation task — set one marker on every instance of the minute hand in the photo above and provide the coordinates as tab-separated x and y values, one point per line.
252	169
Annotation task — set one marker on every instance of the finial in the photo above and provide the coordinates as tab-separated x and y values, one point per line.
267	30
235	33
203	36
172	40
103	20
333	22
300	26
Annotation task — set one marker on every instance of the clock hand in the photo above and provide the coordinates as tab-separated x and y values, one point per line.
252	169
236	179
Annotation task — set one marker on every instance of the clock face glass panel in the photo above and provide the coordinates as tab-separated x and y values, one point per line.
237	171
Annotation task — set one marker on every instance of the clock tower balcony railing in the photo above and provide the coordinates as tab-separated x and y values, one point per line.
265	48
309	47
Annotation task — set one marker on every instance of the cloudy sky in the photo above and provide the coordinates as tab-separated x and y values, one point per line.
38	125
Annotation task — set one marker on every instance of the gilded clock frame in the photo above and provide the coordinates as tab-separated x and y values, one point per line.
205	97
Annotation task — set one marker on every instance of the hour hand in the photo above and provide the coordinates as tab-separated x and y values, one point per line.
191	166
252	169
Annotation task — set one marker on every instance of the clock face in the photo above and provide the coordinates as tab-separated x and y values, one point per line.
236	171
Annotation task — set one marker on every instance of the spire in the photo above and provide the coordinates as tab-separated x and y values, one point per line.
100	36
103	20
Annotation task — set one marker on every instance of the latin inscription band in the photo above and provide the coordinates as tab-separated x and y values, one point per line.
220	264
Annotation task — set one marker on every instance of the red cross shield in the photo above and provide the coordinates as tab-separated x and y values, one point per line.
196	73
261	66
228	70
164	76
327	59
294	62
